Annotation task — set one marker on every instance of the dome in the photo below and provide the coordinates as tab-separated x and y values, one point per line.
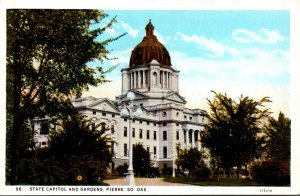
149	49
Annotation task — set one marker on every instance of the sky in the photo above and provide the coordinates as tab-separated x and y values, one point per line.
233	52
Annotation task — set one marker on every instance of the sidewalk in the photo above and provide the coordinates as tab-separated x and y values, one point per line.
143	182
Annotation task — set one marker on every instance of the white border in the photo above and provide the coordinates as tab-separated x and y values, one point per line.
292	5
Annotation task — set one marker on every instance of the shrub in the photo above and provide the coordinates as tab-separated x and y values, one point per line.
203	172
167	170
273	172
122	169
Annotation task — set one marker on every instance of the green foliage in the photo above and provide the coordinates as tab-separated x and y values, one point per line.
77	154
47	56
141	160
193	160
232	132
279	138
122	169
272	172
167	171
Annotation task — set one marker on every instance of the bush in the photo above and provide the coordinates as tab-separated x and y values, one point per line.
153	172
273	172
122	169
203	172
167	170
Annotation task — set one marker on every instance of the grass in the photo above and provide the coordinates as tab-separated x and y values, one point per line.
211	181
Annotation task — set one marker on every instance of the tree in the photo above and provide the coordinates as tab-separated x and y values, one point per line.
79	152
141	160
233	128
275	169
47	55
193	160
279	138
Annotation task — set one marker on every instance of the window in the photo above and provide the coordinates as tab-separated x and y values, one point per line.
154	150
133	132
177	114
165	135
164	124
44	143
112	128
141	133
148	134
113	115
141	122
177	124
133	120
177	135
44	128
154	124
125	119
164	114
125	131
191	118
103	114
148	148
148	123
94	112
154	135
125	150
184	116
154	78
184	133
165	152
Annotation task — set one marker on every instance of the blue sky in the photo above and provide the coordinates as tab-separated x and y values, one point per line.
233	52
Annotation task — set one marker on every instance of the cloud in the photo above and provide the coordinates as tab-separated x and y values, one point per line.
216	48
111	32
264	36
131	31
161	38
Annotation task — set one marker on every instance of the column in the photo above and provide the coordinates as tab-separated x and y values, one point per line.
140	79
163	80
144	79
187	137
132	81
136	80
193	138
166	79
167	86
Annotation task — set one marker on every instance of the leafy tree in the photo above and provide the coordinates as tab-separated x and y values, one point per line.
193	160
279	138
275	170
141	160
78	153
47	56
232	132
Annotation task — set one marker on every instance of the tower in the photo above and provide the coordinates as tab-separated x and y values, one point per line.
150	73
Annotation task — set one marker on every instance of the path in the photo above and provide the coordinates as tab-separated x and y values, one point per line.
143	182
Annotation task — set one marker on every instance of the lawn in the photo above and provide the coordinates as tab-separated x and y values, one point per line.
212	181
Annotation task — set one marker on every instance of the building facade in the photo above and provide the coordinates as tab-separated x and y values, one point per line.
165	125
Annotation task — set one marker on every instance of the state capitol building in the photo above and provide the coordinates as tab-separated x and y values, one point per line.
165	124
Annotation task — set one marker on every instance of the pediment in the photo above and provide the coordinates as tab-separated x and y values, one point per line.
138	96
176	97
103	104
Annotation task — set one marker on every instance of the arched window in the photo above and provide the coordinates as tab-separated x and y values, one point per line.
154	78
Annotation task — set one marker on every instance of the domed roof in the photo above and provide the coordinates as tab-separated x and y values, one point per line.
149	49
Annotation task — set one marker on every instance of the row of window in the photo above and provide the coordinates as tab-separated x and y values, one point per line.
165	150
148	149
165	134
104	114
141	122
140	133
